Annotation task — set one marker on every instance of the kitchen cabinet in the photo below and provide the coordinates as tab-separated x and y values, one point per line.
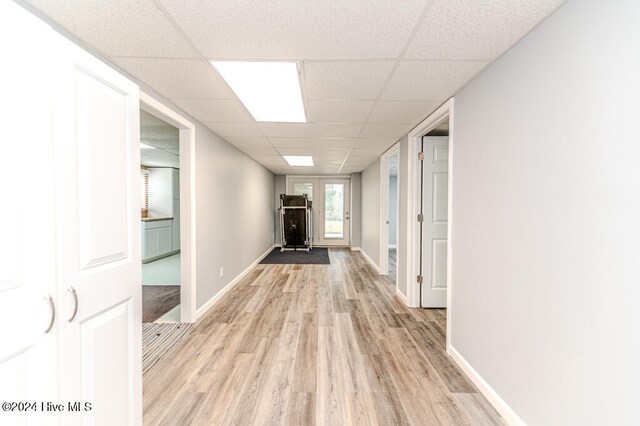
157	239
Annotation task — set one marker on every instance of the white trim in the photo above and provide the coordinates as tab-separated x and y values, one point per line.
395	246
384	208
356	249
204	308
413	289
401	296
507	413
188	234
371	262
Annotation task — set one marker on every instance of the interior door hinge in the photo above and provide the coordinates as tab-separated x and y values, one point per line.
419	279
420	217
421	156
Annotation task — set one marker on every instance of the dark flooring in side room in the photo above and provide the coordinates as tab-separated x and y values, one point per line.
157	300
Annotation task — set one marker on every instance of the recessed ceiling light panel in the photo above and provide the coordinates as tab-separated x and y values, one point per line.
299	160
269	90
145	146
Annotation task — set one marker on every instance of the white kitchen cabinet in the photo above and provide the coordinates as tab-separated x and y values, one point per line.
70	278
157	239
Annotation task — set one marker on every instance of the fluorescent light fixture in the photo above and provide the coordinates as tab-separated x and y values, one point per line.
145	146
269	90
299	160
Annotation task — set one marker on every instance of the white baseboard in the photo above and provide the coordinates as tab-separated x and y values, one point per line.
356	249
508	415
371	262
401	296
204	308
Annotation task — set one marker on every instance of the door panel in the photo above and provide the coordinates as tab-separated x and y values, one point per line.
435	187
28	355
331	203
334	226
105	352
98	212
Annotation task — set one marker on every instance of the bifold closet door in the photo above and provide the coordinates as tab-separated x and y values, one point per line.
98	223
28	351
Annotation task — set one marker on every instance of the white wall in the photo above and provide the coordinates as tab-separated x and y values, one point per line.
402	262
355	214
370	215
235	212
393	212
546	237
280	188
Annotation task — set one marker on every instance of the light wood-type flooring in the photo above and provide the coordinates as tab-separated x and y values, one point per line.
314	344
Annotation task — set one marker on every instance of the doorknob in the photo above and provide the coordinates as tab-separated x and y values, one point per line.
75	298
52	306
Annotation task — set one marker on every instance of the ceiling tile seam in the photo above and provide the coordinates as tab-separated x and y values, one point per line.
396	64
178	28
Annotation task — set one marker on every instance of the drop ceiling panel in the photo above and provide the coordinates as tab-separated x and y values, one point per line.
258	151
207	110
280	29
430	80
482	30
346	80
271	160
310	130
393	131
165	144
338	111
119	27
402	112
237	130
178	78
257	142
147	119
364	154
159	132
374	143
312	142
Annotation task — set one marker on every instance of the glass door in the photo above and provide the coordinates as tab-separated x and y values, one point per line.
330	199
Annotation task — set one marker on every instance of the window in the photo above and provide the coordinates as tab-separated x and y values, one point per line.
144	191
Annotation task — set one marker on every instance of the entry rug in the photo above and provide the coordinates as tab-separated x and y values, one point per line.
157	339
316	256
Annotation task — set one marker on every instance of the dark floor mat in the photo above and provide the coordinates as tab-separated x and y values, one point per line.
316	256
157	300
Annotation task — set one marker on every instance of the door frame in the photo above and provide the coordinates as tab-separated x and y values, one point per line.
317	226
384	209
187	144
413	200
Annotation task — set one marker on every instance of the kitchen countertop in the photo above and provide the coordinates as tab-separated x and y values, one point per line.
155	219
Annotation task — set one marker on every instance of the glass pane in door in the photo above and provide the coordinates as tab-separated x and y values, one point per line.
334	210
303	188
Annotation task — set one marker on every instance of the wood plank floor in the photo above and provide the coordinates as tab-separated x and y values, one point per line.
314	344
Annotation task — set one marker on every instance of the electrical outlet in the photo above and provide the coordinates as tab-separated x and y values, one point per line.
221	272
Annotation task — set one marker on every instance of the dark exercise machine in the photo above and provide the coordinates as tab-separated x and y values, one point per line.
296	223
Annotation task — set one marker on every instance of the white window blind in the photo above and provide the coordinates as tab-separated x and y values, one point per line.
144	190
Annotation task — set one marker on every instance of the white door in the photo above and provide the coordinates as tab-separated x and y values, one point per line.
98	223
28	353
331	203
435	184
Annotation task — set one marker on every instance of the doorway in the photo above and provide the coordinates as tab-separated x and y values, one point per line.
160	227
170	247
330	199
429	212
389	208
